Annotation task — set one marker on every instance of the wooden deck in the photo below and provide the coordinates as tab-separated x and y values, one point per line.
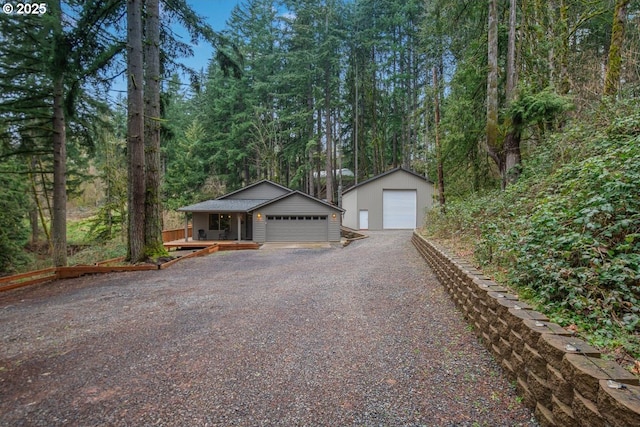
224	245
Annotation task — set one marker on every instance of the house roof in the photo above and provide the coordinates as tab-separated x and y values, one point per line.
224	205
241	190
284	196
389	172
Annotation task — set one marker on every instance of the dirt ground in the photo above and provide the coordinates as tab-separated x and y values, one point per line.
356	336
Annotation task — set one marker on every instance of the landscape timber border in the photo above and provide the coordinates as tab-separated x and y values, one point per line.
110	266
560	377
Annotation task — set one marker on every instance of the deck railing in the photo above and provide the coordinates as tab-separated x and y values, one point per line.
175	234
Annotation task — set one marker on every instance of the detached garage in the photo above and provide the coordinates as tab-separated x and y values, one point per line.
397	199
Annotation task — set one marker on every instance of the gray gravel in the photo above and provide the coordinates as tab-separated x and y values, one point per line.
355	336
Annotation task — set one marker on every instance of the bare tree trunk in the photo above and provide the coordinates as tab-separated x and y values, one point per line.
153	207
492	147
564	84
436	104
310	183
35	208
318	164
357	118
135	131
512	156
512	78
329	130
59	220
612	76
59	217
551	36
45	196
310	128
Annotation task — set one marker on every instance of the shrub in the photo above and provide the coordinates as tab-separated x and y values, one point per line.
567	235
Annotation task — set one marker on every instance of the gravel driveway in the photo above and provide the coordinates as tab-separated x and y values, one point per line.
355	336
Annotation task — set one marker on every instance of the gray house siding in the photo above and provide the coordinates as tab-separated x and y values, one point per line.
350	206
200	222
259	228
369	196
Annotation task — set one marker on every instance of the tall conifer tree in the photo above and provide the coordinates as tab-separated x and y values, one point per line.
135	131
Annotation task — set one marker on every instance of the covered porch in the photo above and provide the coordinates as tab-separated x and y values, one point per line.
220	220
221	226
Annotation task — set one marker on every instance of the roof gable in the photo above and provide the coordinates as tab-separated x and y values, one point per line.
399	169
299	193
264	190
250	198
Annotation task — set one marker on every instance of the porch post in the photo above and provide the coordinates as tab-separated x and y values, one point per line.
186	227
239	226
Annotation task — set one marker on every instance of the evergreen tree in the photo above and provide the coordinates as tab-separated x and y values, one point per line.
152	201
135	132
69	52
13	215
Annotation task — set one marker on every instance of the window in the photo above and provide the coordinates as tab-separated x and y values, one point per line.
214	221
219	221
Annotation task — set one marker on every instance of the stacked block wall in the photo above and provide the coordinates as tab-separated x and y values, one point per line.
560	377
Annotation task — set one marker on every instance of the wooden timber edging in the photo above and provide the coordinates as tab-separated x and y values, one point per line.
560	377
55	273
111	261
239	246
202	252
350	235
30	278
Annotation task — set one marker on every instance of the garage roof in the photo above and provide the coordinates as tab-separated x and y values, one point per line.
389	172
284	196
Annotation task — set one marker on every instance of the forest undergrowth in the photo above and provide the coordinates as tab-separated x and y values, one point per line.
566	237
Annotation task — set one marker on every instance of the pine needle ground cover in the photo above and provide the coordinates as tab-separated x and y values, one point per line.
567	235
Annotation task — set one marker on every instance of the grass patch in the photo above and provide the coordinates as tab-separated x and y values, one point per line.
99	252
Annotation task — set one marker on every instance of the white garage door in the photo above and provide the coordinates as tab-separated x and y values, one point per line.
399	209
294	228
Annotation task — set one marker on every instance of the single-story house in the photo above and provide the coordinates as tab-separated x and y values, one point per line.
396	199
266	212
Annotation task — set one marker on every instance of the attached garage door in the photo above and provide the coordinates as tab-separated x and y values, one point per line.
399	209
289	228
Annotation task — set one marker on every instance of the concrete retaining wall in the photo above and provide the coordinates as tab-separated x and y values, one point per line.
559	376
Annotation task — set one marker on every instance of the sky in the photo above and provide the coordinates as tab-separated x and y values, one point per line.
216	13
